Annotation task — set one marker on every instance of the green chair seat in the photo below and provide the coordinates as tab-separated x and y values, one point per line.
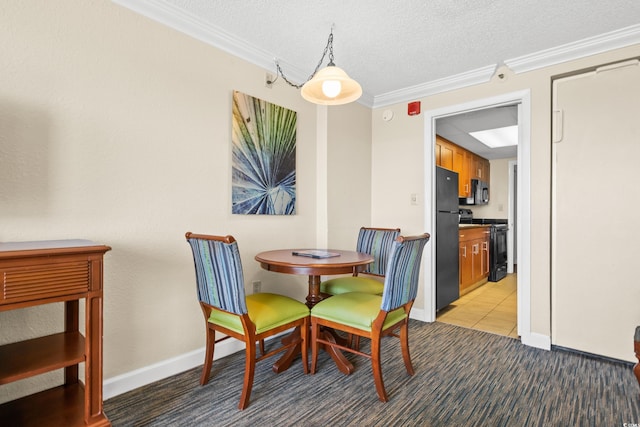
267	311
374	241
355	309
341	285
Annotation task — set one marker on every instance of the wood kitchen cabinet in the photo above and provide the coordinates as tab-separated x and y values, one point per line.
474	257
467	164
464	174
484	250
466	266
486	170
480	168
37	273
444	153
476	170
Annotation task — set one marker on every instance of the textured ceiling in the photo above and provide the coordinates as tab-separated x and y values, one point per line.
392	45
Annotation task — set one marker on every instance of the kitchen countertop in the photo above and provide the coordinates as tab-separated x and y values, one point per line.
473	225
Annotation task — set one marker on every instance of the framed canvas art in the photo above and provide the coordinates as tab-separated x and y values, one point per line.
263	157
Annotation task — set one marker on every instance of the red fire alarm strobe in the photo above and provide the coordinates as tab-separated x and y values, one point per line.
414	108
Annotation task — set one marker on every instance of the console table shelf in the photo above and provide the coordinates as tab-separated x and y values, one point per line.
57	407
40	355
37	273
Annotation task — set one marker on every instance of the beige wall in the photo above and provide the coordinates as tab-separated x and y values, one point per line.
117	129
398	164
398	170
349	174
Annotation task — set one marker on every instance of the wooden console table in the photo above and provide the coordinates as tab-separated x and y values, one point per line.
36	273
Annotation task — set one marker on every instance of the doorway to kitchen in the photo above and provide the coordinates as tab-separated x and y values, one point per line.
486	288
513	289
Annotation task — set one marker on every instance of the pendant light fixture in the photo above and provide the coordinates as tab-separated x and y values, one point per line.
329	86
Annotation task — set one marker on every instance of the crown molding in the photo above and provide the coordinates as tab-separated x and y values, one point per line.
590	46
176	18
469	78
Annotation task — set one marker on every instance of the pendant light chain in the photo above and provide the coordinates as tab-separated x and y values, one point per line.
328	47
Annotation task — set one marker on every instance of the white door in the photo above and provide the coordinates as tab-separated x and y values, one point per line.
596	197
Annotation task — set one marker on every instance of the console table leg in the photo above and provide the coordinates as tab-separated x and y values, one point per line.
636	369
71	324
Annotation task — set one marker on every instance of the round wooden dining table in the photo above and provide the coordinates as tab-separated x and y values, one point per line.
284	261
343	262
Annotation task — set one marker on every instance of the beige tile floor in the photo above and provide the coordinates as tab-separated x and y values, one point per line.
491	308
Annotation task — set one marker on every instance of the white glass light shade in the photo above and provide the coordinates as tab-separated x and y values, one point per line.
331	88
350	89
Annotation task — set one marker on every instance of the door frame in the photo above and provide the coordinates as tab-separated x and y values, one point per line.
523	98
511	234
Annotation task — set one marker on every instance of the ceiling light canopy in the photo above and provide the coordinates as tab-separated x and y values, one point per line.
498	137
329	86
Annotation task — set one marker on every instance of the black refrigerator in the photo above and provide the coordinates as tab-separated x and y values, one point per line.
447	240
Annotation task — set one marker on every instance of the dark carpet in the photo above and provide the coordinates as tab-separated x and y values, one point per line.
463	378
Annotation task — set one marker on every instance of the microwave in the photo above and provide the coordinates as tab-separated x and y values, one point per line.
479	194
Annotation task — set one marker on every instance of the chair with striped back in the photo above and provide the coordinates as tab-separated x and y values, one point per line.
376	242
375	316
228	310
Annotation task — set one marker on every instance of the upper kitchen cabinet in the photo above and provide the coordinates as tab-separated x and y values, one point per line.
480	169
444	153
467	164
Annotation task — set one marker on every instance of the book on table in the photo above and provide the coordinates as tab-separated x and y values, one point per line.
315	254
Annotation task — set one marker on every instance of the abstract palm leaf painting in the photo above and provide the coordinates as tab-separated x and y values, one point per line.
264	157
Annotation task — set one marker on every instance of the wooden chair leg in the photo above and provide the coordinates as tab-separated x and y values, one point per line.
355	342
262	347
304	335
208	357
315	331
377	368
249	371
404	344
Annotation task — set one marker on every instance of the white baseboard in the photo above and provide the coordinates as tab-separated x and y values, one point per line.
537	340
158	371
418	314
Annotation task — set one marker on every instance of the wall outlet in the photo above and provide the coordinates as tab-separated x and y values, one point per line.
257	287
